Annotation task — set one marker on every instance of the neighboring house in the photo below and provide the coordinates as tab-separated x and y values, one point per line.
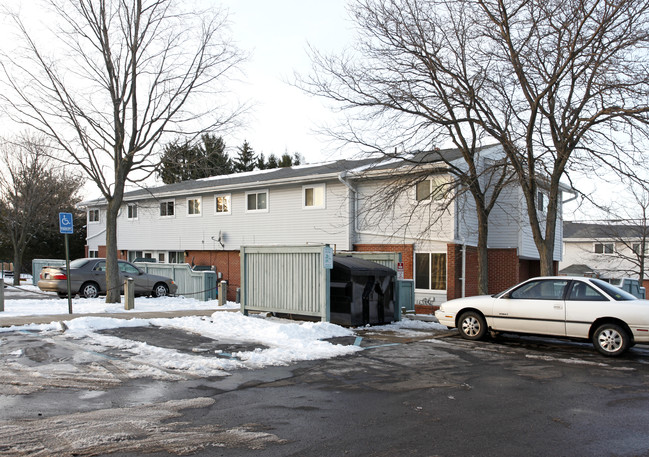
206	221
605	250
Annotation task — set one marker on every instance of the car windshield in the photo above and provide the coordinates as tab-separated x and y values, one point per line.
614	292
78	263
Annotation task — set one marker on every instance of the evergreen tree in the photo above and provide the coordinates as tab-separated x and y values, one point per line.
176	162
216	159
261	162
285	161
182	160
272	161
246	160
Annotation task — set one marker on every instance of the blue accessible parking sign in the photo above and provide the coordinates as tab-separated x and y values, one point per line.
65	223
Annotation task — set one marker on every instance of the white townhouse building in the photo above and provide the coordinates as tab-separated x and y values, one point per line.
341	203
608	250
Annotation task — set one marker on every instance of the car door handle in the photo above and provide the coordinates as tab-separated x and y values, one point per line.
558	306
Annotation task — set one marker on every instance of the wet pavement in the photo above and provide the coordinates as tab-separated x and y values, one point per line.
419	393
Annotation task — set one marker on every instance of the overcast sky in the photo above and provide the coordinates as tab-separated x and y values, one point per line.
277	34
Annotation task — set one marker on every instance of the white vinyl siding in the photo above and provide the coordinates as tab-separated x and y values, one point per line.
284	224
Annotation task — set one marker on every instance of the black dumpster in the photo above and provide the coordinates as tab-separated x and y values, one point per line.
362	292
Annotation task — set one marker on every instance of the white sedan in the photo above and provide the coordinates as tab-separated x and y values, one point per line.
572	307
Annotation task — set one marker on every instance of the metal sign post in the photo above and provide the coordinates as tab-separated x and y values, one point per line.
66	227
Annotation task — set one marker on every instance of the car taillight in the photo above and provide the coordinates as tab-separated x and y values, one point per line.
59	276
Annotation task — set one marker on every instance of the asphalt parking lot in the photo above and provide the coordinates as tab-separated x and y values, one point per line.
422	393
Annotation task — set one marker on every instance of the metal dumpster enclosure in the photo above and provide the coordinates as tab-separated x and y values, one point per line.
285	279
296	280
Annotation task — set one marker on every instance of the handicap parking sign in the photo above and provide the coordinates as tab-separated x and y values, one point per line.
65	223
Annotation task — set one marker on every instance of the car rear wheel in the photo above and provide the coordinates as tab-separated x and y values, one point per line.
611	340
472	326
89	290
160	290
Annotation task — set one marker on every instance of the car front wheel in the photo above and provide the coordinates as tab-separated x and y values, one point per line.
472	326
611	340
160	290
89	290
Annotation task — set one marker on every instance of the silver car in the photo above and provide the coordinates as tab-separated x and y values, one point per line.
88	279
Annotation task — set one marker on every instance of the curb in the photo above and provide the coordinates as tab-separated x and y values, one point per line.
47	319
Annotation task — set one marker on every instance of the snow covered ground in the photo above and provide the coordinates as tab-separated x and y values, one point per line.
283	341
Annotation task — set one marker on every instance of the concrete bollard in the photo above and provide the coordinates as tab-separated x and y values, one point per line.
223	293
2	295
129	294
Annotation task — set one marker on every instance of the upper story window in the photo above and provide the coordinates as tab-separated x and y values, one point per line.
223	204
604	248
194	206
132	211
313	196
637	249
257	201
167	208
93	216
430	190
540	201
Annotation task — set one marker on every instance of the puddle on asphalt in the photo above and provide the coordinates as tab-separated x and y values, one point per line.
183	341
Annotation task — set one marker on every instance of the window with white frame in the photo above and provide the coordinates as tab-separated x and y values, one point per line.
167	208
637	248
176	257
93	216
194	206
132	255
161	257
131	211
540	201
313	196
257	201
604	248
430	271
223	204
430	190
93	254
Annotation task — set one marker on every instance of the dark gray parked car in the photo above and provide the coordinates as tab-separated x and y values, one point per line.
88	279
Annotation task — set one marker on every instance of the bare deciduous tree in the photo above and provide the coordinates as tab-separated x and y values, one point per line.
124	74
560	84
33	190
629	231
408	89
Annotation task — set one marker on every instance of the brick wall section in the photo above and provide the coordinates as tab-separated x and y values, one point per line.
504	269
227	263
407	254
454	271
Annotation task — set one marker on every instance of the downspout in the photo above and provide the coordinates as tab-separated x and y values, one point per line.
463	243
463	278
352	204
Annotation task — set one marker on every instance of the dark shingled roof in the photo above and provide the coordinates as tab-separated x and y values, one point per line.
579	270
259	178
595	231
